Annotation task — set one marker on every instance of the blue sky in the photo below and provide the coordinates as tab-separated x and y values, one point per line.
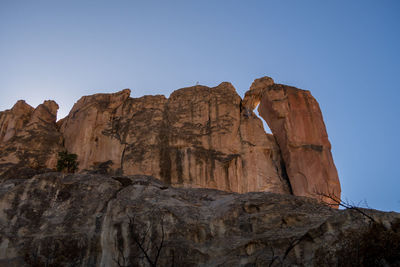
347	53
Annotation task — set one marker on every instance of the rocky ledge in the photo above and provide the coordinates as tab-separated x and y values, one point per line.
57	219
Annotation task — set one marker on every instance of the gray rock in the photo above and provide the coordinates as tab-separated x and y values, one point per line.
55	219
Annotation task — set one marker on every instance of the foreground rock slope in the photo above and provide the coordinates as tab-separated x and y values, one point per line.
199	137
56	219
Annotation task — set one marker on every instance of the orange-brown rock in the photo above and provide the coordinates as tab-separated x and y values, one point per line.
295	120
209	143
85	129
253	96
45	113
196	138
29	137
13	120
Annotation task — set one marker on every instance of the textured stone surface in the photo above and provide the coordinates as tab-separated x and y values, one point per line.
198	137
11	121
295	120
253	96
29	137
55	219
195	138
85	129
113	214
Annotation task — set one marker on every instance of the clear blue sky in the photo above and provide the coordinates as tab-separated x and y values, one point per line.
346	52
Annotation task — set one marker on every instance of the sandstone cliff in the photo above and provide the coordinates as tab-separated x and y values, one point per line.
29	137
198	137
148	169
295	119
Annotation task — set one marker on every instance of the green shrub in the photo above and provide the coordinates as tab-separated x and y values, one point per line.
67	162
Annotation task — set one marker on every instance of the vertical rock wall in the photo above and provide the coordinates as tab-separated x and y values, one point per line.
295	120
29	137
198	137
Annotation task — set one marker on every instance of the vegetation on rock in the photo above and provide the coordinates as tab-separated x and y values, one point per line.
67	162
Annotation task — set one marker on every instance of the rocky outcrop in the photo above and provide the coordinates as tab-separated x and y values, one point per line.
88	129
295	120
148	169
253	96
195	138
198	137
55	219
13	120
29	137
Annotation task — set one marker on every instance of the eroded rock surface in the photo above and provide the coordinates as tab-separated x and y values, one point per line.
195	138
198	137
29	137
55	219
136	200
11	121
295	120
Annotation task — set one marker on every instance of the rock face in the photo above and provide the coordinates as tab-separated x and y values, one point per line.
295	120
11	121
148	169
198	137
88	129
195	138
55	219
29	137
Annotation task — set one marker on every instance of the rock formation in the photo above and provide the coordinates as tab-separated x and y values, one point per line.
11	121
195	138
295	120
148	169
29	137
55	219
198	137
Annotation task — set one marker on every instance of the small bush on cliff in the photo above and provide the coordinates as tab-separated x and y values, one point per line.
67	162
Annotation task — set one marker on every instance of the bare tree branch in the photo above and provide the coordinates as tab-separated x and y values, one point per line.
161	244
345	204
135	237
148	243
